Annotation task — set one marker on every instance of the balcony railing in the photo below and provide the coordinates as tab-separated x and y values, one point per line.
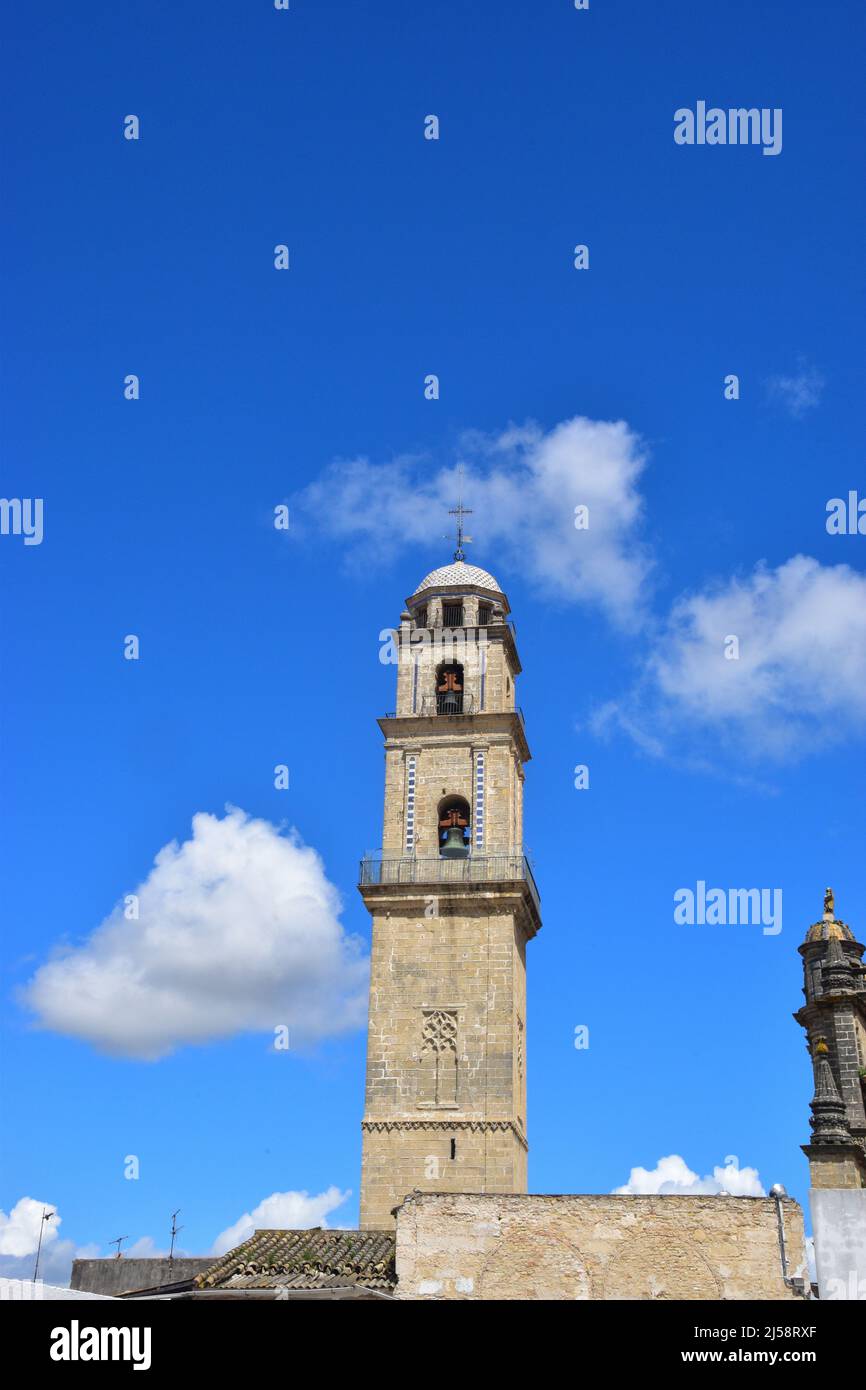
438	704
386	867
493	620
450	702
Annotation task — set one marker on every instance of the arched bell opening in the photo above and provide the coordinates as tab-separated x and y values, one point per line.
454	828
449	688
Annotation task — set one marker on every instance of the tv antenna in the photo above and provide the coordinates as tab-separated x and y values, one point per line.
46	1216
174	1230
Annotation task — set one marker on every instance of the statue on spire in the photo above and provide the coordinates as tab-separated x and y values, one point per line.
829	903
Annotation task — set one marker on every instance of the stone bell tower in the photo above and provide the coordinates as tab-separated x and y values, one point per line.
834	1017
453	903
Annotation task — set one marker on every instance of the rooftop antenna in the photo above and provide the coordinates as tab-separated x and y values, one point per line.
174	1230
116	1242
460	511
46	1216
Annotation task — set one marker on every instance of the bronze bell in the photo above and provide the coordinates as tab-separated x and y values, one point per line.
453	846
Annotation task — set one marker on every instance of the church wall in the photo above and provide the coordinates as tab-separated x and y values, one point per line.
498	680
503	829
469	646
835	1170
468	967
465	964
450	764
395	801
399	1159
484	1247
520	1034
847	1059
839	1222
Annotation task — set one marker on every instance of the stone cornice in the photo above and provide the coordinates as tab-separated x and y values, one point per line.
460	729
447	1126
514	894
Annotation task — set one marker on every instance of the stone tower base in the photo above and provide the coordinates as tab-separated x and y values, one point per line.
416	1155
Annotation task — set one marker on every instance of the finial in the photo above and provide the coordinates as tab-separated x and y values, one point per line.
829	904
460	511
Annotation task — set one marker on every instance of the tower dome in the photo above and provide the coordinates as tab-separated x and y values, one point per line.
830	927
458	574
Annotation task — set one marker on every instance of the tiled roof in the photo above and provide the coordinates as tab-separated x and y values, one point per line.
306	1260
458	573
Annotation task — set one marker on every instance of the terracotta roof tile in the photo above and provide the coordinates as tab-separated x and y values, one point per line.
311	1259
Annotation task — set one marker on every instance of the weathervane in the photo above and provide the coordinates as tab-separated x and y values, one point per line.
460	511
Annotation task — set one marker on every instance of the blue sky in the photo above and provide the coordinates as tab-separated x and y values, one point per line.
259	647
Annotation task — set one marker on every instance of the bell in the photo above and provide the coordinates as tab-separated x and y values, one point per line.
453	847
450	702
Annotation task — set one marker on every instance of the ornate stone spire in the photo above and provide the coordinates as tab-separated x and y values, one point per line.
834	1017
836	973
829	926
829	1120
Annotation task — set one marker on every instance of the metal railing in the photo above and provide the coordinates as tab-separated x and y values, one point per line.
386	867
449	702
432	704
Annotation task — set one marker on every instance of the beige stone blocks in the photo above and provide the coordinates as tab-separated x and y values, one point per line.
442	1074
445	1106
492	1247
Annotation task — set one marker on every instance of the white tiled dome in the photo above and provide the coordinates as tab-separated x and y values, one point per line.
458	572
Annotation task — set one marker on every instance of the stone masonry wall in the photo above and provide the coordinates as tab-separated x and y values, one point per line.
473	648
466	963
446	767
115	1277
489	1247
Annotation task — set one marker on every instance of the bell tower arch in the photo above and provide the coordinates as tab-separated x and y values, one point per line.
453	903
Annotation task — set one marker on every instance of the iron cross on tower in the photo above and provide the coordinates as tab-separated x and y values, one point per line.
460	511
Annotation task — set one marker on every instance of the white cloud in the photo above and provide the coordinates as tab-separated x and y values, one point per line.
19	1230
673	1177
146	1248
19	1237
238	931
799	682
523	486
799	392
19	1233
293	1211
